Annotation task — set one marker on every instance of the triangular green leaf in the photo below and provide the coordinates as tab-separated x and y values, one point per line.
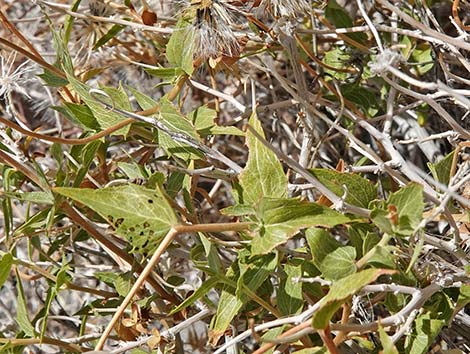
180	47
402	212
52	79
82	114
360	191
321	243
203	120
173	120
339	263
441	169
105	117
280	219
141	215
263	175
410	206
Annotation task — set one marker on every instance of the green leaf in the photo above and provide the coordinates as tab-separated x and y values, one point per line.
423	55
212	254
228	308
106	277
339	17
5	267
22	311
381	218
166	74
180	47
202	117
63	56
52	80
222	130
199	293
103	116
254	271
339	263
203	120
417	248
362	96
143	216
280	219
271	335
177	122
35	222
132	170
425	331
263	175
86	156
62	277
144	101
250	278
113	31
340	292
69	20
122	283
33	197
238	210
463	299
383	257
441	169
289	298
410	206
387	344
173	120
51	295
337	58
321	243
360	191
79	114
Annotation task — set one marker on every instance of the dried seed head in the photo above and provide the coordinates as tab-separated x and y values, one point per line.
11	79
285	8
214	36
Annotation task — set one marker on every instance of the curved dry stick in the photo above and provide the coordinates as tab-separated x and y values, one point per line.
13	29
65	141
33	57
44	340
455	15
264	348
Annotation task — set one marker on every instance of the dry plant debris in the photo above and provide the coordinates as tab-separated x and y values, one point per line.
234	176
